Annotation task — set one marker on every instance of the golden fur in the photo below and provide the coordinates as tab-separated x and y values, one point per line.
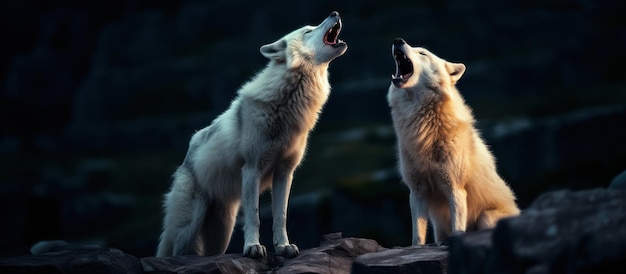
442	158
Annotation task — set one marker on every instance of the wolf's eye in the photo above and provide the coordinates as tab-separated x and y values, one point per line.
422	53
308	31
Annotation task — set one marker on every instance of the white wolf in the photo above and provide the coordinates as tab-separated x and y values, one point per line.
448	168
254	145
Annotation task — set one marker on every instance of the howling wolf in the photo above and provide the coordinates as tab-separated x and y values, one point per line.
254	145
448	168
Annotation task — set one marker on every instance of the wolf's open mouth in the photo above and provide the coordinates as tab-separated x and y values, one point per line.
404	67
330	38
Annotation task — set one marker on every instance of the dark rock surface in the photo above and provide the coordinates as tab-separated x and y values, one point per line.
469	252
413	259
228	263
561	232
90	260
334	255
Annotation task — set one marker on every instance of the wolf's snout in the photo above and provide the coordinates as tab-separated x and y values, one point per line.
399	41
334	14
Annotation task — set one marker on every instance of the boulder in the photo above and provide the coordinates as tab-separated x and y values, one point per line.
469	251
560	232
555	224
619	181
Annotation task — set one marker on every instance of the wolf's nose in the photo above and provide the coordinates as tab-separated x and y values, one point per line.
399	41
334	14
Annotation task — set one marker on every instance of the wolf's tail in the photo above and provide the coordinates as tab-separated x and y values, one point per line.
195	223
185	210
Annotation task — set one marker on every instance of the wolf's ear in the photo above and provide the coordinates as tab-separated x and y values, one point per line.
455	70
275	50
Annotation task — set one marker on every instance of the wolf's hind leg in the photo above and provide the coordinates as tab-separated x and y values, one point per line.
218	226
184	213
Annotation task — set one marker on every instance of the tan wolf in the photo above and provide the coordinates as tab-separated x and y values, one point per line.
443	160
256	144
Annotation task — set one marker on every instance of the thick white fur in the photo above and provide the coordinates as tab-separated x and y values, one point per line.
448	168
254	145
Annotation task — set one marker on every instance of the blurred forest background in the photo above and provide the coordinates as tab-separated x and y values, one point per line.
99	99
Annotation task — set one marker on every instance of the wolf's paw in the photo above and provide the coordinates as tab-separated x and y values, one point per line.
288	251
255	251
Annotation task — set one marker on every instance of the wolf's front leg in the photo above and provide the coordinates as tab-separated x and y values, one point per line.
419	217
281	187
251	179
458	210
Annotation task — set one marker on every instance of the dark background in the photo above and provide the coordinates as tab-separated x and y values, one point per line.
99	99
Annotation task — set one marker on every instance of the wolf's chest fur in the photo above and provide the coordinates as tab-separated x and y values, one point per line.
429	143
295	109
